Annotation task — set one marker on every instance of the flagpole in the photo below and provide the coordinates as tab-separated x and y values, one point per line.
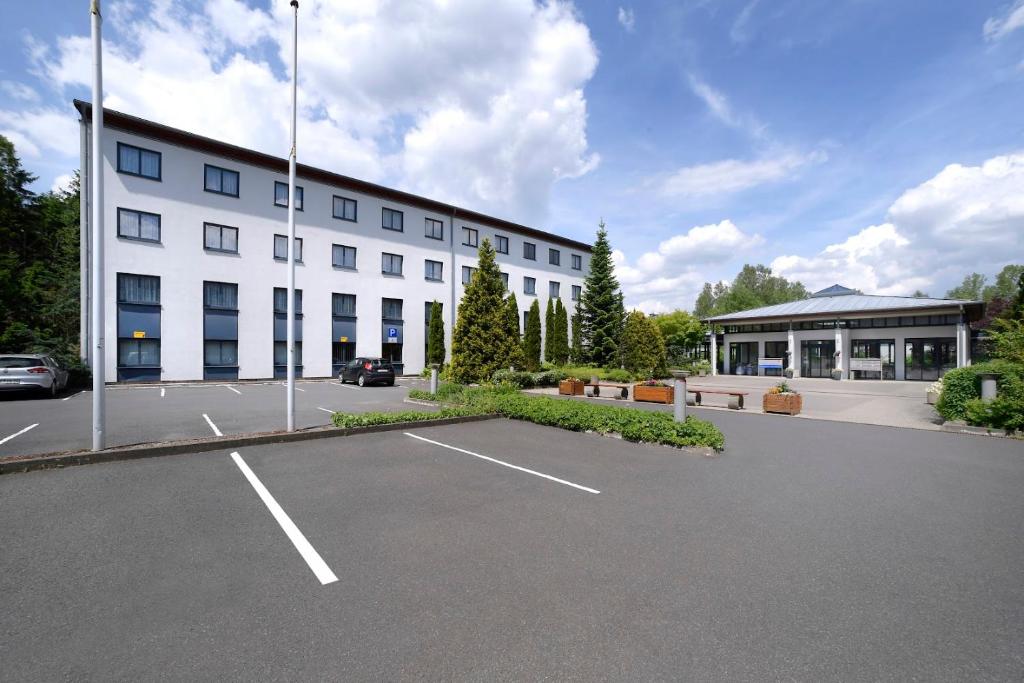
291	224
98	323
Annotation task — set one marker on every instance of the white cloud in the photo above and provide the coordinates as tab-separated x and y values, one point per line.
476	103
738	32
672	274
965	219
61	182
997	28
733	175
19	91
627	19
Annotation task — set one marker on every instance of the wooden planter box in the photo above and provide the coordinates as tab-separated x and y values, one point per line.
653	394
570	387
787	404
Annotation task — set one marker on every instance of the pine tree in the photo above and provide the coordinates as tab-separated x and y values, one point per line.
531	339
516	358
642	348
435	335
561	326
550	342
480	344
576	347
602	312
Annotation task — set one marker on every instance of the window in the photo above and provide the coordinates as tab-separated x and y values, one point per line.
281	300
390	264
391	220
138	225
391	309
553	289
529	285
281	248
137	161
433	270
221	295
343	256
281	195
470	237
577	262
504	280
467	274
343	304
344	208
220	353
530	251
501	244
138	289
220	181
220	238
554	257
138	353
576	291
434	229
281	357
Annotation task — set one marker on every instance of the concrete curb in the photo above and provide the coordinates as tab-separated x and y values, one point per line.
27	463
961	427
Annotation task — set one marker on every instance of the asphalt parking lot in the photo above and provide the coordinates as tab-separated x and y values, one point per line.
497	550
138	414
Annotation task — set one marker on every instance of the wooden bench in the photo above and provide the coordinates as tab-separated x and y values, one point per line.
735	397
595	390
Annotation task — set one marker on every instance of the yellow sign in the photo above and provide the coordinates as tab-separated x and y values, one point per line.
343	339
139	334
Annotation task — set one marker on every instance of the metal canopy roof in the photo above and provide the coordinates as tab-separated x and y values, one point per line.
846	304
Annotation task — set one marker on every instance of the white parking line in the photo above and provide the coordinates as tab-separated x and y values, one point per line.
66	398
506	464
8	438
163	391
325	410
216	432
346	386
305	548
232	389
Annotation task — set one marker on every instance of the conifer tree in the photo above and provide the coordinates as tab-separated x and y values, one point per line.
576	347
531	339
516	358
435	335
602	312
561	326
480	344
550	341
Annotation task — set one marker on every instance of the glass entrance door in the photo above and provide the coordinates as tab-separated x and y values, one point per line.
817	358
885	349
776	349
743	358
928	359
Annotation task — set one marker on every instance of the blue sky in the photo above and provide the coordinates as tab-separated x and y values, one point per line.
875	143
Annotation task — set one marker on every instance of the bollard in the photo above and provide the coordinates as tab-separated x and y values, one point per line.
988	387
679	394
433	378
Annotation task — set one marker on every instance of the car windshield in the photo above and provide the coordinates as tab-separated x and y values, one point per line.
16	362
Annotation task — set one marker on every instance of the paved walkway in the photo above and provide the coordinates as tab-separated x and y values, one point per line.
888	403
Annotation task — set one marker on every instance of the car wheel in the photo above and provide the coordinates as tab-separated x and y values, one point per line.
341	378
361	380
53	389
391	382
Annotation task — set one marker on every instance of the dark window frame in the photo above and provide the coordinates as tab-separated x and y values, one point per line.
160	163
499	240
208	307
576	293
426	276
577	261
284	259
532	248
432	222
401	264
344	203
221	250
117	285
466	232
468	269
345	248
300	194
554	284
532	290
159	226
554	257
238	181
384	211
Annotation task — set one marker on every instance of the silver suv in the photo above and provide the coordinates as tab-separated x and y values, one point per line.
31	372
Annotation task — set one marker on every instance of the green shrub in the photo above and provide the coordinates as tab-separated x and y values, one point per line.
961	395
348	420
447	392
618	375
549	378
520	378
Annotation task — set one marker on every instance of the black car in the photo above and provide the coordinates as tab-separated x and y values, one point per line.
365	371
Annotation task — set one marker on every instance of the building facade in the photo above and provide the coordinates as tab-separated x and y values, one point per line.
840	332
195	242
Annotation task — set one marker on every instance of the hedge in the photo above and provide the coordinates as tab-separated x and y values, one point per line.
961	396
630	423
347	420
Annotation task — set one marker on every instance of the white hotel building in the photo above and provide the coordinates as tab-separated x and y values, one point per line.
195	252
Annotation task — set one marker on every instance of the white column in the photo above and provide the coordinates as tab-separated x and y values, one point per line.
962	349
791	350
840	359
714	352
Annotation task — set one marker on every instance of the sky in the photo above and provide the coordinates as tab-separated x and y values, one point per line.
874	143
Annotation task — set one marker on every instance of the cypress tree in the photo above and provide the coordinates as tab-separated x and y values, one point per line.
602	312
561	326
531	339
435	335
576	347
550	340
480	344
516	358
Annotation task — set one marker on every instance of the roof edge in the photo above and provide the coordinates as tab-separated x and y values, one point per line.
828	315
183	138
